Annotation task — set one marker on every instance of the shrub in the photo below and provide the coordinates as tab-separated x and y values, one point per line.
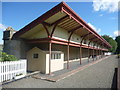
118	56
6	57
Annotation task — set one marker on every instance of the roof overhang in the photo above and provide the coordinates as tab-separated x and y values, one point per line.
66	18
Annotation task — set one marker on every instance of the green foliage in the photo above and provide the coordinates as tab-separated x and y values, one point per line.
118	56
117	39
19	74
6	57
1	47
112	42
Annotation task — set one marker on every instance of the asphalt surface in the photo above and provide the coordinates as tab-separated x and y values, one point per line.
99	75
73	65
119	62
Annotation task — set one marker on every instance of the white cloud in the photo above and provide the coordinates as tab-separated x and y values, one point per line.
98	30
101	15
117	33
106	5
2	27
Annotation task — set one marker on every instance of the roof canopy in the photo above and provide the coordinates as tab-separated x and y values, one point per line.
63	16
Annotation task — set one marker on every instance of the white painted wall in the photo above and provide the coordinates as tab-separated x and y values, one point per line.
42	62
57	64
59	33
108	53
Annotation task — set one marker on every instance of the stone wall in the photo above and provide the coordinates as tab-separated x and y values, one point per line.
16	47
12	47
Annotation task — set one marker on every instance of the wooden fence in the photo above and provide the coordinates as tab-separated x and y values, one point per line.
11	69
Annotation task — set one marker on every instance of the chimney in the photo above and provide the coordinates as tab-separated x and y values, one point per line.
8	33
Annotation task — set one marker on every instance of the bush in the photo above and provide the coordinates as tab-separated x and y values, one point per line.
118	56
6	57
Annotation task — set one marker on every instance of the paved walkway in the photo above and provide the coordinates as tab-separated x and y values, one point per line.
99	75
73	66
119	62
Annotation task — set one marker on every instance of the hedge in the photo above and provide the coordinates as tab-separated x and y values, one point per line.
6	57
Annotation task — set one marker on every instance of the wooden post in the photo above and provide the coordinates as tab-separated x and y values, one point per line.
93	54
88	54
68	51
50	45
100	54
80	55
103	53
96	53
88	51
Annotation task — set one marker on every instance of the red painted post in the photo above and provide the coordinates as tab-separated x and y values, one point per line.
93	54
96	54
100	54
80	55
68	51
50	45
88	54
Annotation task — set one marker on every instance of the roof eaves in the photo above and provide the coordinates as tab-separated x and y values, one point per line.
39	20
81	20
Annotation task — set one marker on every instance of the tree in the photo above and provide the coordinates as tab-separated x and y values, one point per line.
112	42
117	39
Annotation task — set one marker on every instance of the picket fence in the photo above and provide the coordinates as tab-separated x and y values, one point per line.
11	69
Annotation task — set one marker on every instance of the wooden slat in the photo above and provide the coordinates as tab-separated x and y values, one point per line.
76	28
9	69
63	23
60	20
72	25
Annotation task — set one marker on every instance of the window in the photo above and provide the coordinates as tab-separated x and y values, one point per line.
56	56
35	55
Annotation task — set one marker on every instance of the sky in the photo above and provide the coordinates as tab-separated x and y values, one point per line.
101	16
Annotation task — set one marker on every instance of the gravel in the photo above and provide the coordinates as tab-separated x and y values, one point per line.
99	75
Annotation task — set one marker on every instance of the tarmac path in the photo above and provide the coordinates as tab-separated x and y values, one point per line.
99	75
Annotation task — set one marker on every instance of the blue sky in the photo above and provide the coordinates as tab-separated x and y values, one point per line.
104	19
